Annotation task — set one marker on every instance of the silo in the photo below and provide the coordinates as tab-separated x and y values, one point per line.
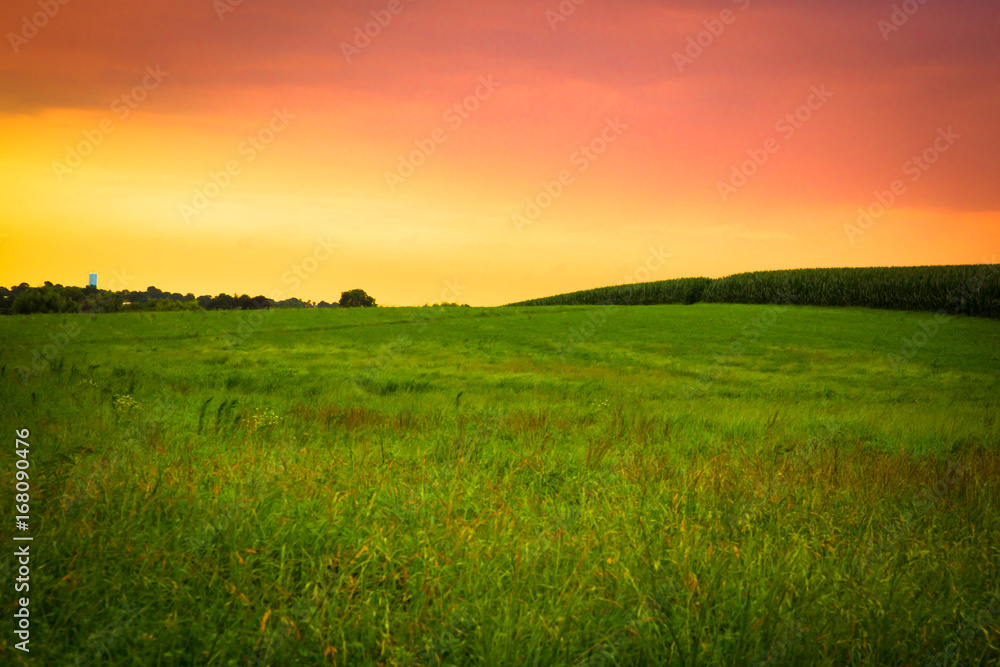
93	280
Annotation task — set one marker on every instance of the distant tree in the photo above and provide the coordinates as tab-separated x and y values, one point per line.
51	298
40	300
291	303
164	304
92	300
136	297
80	298
223	302
356	298
173	304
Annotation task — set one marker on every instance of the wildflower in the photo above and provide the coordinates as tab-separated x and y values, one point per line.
125	403
266	418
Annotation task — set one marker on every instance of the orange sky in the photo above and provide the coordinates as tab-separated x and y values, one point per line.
107	167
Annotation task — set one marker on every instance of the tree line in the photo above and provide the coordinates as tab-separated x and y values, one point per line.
24	299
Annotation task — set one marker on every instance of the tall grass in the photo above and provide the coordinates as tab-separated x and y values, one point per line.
520	509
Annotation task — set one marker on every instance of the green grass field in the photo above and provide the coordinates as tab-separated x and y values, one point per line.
693	485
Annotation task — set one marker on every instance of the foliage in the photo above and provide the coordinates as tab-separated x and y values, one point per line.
40	300
164	305
356	298
680	290
966	289
292	303
59	299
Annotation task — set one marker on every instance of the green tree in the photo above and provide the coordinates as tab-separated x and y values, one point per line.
356	298
40	300
223	302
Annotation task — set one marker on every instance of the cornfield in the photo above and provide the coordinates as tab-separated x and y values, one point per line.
967	290
680	290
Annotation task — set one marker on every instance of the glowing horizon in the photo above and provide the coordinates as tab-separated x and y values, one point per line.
517	150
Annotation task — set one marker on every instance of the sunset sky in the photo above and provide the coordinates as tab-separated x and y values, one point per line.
268	147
